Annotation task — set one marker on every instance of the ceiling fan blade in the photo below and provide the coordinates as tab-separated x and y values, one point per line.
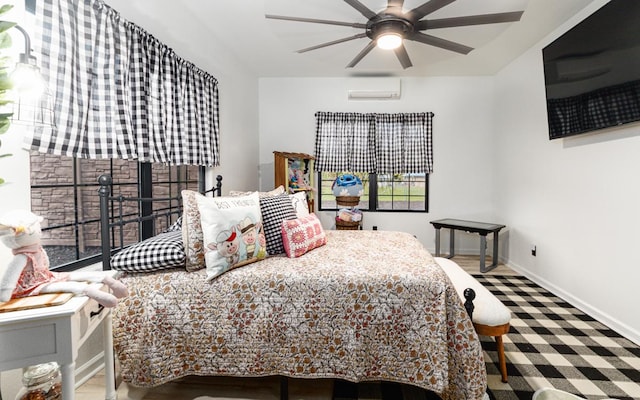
319	46
427	8
364	10
469	20
361	55
317	21
439	42
403	57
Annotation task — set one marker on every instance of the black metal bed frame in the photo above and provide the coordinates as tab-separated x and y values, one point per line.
113	217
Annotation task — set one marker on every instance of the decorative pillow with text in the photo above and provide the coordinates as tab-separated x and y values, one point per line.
233	232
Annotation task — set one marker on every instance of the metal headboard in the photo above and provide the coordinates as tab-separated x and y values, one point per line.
110	223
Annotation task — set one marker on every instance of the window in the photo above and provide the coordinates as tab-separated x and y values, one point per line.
64	191
392	153
382	192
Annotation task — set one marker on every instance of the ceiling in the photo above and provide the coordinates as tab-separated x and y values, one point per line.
268	47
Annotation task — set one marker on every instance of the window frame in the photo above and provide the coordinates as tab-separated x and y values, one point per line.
372	183
175	180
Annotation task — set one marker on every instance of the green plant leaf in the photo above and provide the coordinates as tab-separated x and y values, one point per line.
5	8
5	40
6	25
4	125
5	82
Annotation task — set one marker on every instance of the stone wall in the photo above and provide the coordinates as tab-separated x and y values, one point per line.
62	205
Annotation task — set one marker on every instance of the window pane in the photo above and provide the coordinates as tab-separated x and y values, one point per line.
169	182
401	192
395	192
64	191
328	200
387	192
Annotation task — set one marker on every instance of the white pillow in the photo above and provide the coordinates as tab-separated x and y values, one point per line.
233	232
300	204
273	192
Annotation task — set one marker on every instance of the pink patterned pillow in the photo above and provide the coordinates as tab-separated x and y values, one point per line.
302	235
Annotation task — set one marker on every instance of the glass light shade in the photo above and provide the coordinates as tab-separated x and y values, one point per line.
389	41
33	112
31	103
27	81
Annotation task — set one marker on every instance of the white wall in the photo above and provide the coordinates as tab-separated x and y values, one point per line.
238	88
462	181
576	199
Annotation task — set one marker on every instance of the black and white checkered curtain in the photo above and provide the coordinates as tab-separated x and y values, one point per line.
374	143
403	143
345	142
119	92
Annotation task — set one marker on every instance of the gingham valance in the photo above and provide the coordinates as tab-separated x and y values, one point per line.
119	92
374	143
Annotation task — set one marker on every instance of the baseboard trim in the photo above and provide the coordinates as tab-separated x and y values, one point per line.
613	323
87	370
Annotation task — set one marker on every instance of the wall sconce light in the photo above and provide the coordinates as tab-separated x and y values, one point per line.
32	103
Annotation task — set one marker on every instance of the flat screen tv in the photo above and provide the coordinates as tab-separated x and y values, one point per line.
592	72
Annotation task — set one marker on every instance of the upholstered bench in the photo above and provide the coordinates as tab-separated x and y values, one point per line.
490	317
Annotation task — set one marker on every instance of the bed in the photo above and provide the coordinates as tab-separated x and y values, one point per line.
365	306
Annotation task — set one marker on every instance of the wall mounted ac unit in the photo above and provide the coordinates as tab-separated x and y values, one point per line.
374	89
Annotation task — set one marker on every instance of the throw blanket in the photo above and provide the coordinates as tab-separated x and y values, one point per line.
369	305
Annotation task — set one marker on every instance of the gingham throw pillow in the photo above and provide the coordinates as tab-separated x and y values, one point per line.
176	226
160	252
274	210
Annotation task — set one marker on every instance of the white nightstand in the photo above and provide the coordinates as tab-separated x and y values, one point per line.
55	333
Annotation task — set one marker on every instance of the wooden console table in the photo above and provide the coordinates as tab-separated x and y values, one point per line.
481	228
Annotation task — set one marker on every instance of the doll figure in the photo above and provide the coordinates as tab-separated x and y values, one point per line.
28	274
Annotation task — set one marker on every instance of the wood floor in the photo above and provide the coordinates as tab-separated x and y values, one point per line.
210	388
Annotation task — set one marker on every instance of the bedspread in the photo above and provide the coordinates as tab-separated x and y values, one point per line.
369	305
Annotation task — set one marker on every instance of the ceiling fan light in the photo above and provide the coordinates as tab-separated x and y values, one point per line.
389	41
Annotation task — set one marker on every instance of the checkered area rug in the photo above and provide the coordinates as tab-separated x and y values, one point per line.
553	344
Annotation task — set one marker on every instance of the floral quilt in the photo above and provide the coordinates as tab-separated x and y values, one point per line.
369	305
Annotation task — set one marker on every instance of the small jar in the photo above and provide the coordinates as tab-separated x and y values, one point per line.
41	382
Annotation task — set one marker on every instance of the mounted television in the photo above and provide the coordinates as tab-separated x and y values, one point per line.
592	72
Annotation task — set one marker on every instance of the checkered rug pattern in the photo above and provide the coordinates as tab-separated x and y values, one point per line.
553	344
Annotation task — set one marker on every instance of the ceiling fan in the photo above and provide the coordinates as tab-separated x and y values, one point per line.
388	28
